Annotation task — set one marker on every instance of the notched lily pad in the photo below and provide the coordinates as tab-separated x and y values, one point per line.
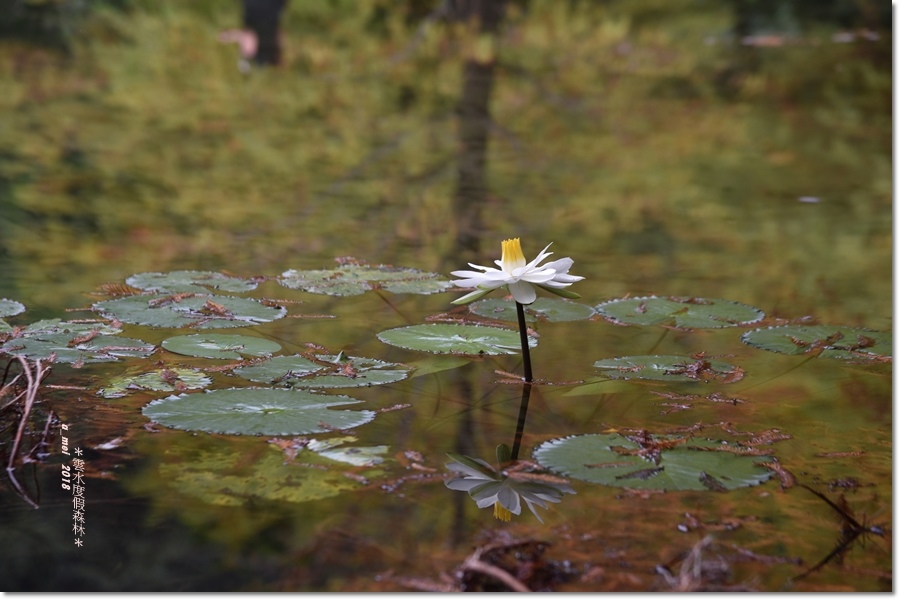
822	340
670	368
683	313
353	279
324	371
159	380
198	311
654	462
218	345
198	282
550	309
445	338
256	411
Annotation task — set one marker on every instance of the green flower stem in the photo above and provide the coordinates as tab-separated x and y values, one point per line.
523	336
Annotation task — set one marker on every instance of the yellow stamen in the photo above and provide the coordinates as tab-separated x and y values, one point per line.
500	512
512	256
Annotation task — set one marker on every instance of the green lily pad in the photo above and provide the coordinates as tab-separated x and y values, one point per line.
684	313
198	282
550	309
355	279
67	348
326	371
195	311
46	327
226	478
614	460
670	368
218	345
825	340
9	308
445	338
256	411
159	380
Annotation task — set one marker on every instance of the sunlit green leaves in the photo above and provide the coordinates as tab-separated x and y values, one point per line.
354	279
684	313
550	309
217	345
661	463
323	371
822	340
256	411
670	368
189	310
158	380
444	338
199	282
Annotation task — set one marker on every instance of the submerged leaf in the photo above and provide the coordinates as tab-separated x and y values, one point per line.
670	368
444	338
614	460
355	279
218	345
822	340
189	310
551	309
159	380
684	313
256	411
198	282
327	371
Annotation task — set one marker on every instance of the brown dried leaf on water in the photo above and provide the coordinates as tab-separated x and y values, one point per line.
769	436
785	477
848	454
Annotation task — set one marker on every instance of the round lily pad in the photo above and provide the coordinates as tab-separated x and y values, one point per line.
9	308
550	309
684	313
188	310
256	411
159	380
198	282
822	340
659	462
670	368
327	371
445	338
218	345
68	349
355	279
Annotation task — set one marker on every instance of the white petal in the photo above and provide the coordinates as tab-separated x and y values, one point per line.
523	292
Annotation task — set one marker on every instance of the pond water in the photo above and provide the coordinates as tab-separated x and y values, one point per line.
648	144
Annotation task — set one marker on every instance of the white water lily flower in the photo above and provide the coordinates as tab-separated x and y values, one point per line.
519	276
487	487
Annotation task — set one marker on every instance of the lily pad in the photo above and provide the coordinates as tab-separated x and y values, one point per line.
445	338
226	478
822	340
326	371
256	411
68	348
9	308
684	313
670	368
188	310
615	460
159	380
550	309
355	279
218	345
199	282
358	456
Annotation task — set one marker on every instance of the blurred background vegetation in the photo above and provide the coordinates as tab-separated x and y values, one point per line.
669	143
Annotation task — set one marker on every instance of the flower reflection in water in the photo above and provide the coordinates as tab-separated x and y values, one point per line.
505	489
